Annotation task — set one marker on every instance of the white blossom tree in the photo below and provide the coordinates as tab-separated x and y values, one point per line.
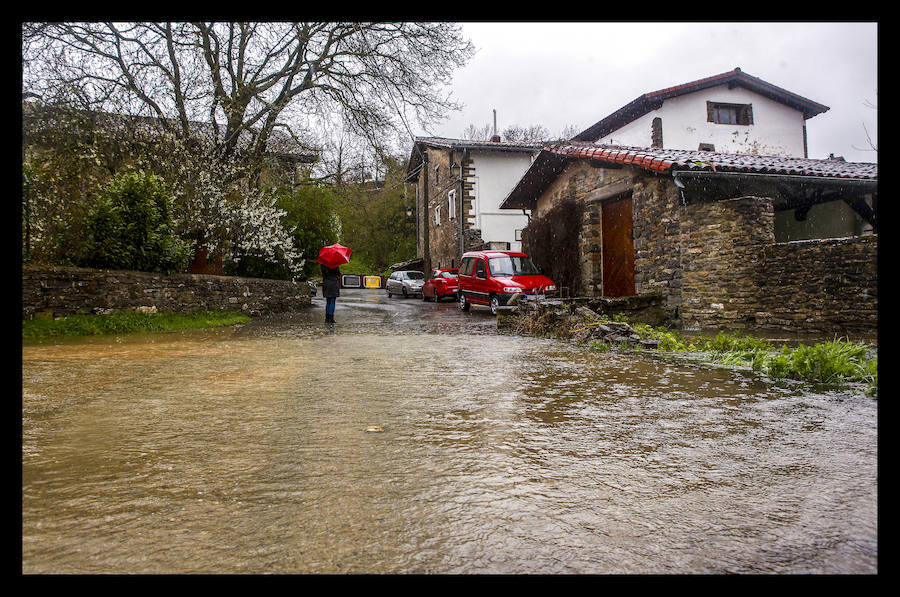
225	97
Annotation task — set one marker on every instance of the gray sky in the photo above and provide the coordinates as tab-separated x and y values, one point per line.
556	74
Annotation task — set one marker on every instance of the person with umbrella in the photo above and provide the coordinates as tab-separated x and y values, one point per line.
330	259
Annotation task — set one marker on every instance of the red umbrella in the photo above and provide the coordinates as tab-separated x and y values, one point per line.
334	255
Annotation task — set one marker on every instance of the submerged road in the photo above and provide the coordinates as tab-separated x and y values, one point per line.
412	438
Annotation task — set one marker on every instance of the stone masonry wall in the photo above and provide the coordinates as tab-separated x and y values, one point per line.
716	263
721	252
826	286
657	243
577	180
60	291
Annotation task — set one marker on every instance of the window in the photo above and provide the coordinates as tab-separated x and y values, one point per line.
706	147
512	266
437	215
741	114
451	205
480	272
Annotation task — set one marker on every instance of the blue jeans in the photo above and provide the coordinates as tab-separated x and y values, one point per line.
329	305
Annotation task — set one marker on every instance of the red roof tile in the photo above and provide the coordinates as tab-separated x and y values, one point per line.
664	160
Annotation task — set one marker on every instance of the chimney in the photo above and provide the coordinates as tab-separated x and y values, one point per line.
496	137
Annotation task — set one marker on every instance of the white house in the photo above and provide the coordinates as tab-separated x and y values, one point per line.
460	185
732	112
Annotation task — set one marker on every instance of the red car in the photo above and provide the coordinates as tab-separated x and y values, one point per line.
442	283
493	277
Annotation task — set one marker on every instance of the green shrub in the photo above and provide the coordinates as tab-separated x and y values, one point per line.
130	226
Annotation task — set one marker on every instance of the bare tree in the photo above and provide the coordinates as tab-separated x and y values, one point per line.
223	97
246	80
516	133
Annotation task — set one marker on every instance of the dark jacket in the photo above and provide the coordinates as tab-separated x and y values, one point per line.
331	281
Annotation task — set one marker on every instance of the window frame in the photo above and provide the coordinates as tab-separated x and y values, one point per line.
742	113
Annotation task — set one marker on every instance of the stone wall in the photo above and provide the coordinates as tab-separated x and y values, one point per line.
62	291
826	286
443	238
721	253
656	209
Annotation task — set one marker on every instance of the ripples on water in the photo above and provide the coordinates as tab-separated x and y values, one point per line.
246	450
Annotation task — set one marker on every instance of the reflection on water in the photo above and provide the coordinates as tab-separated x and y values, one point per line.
245	451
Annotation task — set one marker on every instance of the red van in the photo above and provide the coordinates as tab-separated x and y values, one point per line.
492	277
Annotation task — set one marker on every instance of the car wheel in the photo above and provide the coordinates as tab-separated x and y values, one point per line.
495	305
463	303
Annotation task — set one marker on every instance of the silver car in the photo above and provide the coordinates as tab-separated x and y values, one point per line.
405	283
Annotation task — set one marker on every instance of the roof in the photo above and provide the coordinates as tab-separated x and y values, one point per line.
664	160
652	101
415	157
551	161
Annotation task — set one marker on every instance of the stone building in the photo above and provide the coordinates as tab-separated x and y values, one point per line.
459	187
730	241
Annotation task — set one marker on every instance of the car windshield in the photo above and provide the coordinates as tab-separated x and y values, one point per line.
415	275
448	274
512	266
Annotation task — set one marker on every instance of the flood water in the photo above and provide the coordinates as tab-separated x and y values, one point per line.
246	450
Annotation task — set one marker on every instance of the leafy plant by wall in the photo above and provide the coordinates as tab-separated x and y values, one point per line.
552	240
130	226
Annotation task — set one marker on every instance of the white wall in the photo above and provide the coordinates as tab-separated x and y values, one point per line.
776	129
496	173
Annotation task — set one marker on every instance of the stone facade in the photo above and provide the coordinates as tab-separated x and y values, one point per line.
836	279
721	254
657	239
443	230
60	291
458	211
716	263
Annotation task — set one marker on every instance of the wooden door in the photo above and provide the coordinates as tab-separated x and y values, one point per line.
618	248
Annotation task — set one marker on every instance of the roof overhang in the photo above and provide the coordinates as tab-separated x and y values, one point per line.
789	191
417	154
542	172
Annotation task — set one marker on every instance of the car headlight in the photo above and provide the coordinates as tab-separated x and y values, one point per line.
550	287
511	289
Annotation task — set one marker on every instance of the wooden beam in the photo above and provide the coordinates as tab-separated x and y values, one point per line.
609	191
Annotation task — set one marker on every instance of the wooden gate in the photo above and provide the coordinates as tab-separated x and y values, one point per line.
618	248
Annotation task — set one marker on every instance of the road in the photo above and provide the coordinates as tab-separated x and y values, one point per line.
365	309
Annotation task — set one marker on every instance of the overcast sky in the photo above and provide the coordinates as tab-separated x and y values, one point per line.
557	74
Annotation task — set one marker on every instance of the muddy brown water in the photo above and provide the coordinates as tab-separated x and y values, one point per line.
248	450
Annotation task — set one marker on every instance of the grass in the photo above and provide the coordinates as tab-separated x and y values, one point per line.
125	322
827	363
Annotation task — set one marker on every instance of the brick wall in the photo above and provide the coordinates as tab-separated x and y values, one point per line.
67	291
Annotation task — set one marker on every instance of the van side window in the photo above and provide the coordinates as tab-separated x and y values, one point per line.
466	267
479	269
